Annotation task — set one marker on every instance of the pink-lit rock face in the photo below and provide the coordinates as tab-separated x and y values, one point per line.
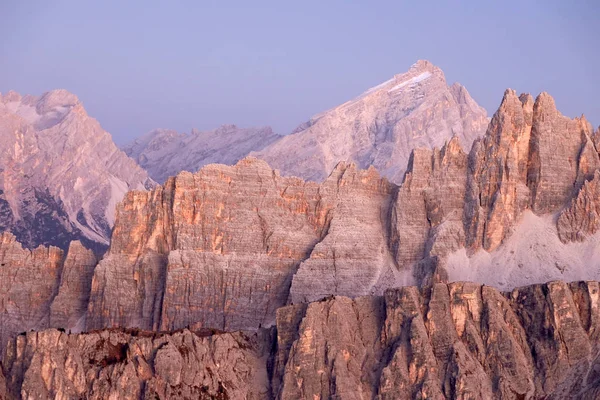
42	288
532	157
243	248
219	248
459	340
227	246
115	364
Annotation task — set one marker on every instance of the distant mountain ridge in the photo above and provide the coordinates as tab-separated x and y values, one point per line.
165	152
379	128
61	175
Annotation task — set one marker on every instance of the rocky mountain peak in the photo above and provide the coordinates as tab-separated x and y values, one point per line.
10	97
424	66
226	128
380	127
59	98
66	175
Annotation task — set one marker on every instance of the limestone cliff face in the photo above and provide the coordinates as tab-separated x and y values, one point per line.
497	190
427	215
241	248
42	288
61	175
116	364
227	246
532	157
29	280
381	127
582	218
219	248
353	257
459	340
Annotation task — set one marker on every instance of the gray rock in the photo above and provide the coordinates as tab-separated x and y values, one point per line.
164	153
62	175
381	127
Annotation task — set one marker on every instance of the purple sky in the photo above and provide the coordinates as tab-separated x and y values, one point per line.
139	65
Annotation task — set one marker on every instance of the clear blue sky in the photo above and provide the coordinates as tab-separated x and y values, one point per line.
139	65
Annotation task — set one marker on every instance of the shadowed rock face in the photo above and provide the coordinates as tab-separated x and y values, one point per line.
164	153
60	173
459	340
582	218
381	127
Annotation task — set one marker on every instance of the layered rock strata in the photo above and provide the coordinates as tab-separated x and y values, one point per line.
459	340
116	364
219	248
532	157
43	287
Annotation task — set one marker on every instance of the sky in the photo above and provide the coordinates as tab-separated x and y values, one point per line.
141	65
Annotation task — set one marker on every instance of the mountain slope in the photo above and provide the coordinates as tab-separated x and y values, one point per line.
61	175
165	153
381	127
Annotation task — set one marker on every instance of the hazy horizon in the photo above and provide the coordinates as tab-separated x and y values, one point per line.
138	67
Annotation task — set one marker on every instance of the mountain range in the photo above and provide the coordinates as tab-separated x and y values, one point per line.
466	267
164	153
416	109
379	128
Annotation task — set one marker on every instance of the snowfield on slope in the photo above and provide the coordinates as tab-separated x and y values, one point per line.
532	254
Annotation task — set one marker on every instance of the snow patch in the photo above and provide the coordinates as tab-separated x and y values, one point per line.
118	188
413	80
381	85
532	254
27	112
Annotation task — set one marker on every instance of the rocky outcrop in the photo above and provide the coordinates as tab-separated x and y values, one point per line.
219	248
164	153
460	340
532	157
497	190
69	307
116	364
380	128
353	257
42	288
427	216
582	218
29	280
61	175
